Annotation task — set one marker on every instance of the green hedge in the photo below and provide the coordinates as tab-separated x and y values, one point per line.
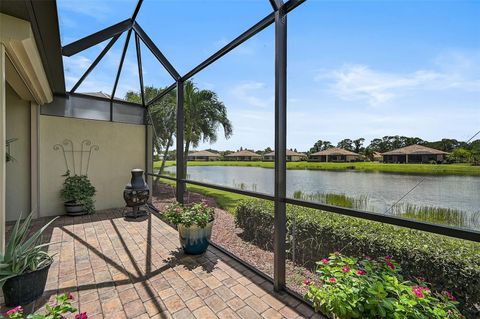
447	263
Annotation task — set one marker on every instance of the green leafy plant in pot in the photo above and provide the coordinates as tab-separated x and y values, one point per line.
194	224
24	266
78	193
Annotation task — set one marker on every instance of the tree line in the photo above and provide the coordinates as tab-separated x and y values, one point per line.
460	151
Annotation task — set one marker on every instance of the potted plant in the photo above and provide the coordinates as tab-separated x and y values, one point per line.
77	194
194	224
24	266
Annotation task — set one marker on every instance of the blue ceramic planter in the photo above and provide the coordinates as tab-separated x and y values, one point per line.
194	239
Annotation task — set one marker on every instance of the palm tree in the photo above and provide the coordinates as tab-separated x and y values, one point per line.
204	114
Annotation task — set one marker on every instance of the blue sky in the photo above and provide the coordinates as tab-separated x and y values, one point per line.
355	68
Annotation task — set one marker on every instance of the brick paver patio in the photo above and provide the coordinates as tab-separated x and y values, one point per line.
135	269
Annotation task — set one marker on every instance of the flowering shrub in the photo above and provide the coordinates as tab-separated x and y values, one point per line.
199	214
348	287
62	307
448	263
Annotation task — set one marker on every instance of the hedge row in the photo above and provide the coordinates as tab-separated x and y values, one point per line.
447	263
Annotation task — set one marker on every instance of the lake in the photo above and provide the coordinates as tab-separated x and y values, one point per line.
381	189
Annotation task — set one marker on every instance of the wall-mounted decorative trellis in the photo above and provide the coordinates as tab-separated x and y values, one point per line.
83	155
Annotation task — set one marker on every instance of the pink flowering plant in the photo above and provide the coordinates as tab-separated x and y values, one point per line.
59	310
347	287
199	214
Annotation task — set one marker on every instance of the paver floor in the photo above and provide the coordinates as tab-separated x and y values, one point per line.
118	268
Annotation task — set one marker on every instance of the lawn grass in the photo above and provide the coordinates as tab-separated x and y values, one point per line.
439	169
225	200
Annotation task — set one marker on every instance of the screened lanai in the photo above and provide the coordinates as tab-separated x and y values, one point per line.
127	88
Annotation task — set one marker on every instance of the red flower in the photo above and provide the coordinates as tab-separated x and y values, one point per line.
332	280
14	310
361	272
325	261
390	265
418	291
388	257
70	296
449	295
345	269
307	282
82	315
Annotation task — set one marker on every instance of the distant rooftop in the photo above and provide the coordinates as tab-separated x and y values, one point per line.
204	153
244	153
289	153
334	151
415	149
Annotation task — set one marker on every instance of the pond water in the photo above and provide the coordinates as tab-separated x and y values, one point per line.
381	189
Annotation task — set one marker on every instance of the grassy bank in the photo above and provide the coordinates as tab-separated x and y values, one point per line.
440	169
226	200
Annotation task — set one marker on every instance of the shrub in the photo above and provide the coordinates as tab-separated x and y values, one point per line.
348	287
449	264
79	189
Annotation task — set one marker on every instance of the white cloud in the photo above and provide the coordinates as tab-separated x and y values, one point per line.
353	82
254	94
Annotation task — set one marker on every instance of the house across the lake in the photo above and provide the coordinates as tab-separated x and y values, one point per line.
203	156
377	157
414	154
291	156
334	154
244	155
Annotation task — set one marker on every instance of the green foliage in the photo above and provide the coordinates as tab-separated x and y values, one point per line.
460	155
449	264
347	287
334	199
62	307
199	214
79	189
24	252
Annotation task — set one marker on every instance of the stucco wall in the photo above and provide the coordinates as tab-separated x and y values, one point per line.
18	171
122	148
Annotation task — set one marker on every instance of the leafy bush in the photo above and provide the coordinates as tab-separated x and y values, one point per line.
62	307
449	264
79	189
199	214
24	251
348	287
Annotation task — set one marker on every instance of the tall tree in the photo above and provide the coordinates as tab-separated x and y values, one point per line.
358	145
204	115
162	115
346	144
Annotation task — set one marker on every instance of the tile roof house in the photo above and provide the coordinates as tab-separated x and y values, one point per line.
414	154
334	154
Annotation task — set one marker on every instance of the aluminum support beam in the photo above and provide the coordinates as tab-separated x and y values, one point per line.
94	64
96	38
120	66
156	51
140	69
180	162
280	219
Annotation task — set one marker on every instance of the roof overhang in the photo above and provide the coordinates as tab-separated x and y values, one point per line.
42	17
25	61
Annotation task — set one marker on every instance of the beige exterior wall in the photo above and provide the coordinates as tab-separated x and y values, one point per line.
122	148
18	171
